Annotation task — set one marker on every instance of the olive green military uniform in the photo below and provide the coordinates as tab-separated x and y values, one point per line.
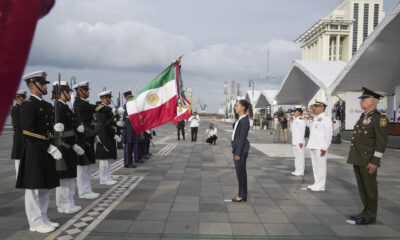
367	146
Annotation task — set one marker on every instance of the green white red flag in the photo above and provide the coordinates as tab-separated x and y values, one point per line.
184	107
156	104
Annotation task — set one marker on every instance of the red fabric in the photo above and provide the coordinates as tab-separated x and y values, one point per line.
18	20
187	114
154	117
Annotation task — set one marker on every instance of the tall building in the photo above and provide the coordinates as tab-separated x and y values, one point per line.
233	91
338	36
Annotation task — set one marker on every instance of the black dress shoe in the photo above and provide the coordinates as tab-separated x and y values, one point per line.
364	221
131	166
355	217
241	200
139	161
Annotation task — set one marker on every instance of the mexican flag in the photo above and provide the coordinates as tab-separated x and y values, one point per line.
184	108
156	104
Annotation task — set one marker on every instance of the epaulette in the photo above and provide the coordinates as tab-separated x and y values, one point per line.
27	100
98	107
383	114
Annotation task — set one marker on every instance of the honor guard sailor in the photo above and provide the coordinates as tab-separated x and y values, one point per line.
129	137
16	126
65	193
106	148
84	112
298	129
370	136
321	130
37	170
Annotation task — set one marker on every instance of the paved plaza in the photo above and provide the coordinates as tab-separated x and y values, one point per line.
179	193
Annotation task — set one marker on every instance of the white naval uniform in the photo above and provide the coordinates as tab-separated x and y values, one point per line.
321	131
16	162
84	174
298	129
105	171
65	194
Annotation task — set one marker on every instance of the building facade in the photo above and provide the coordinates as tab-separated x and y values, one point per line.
339	35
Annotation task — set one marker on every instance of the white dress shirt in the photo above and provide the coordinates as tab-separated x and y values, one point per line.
211	132
194	121
236	124
321	131
298	128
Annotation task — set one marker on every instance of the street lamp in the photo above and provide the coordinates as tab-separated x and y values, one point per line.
250	83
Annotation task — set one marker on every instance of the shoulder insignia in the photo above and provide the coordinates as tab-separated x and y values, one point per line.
383	114
99	107
383	122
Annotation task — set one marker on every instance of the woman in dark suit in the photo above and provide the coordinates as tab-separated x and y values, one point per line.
241	146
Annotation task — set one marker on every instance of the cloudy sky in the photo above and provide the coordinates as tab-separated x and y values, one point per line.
121	44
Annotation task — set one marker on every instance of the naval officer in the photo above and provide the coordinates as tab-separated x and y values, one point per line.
367	146
37	169
65	193
298	129
321	131
106	148
16	126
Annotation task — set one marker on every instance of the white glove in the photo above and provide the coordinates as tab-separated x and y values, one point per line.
58	127
114	110
54	152
78	150
98	140
117	138
121	111
80	128
120	123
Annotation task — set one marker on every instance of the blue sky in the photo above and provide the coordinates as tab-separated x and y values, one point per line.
121	44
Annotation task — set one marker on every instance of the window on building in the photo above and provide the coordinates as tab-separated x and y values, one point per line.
334	26
343	27
365	26
355	28
376	15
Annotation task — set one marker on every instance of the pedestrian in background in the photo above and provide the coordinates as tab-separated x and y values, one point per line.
194	125
212	134
241	146
284	126
180	128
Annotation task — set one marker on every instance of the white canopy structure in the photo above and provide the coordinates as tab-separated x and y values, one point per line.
376	65
305	79
265	98
252	97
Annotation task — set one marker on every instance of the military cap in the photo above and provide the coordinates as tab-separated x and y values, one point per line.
300	110
128	94
83	85
366	93
105	94
21	93
319	102
63	86
38	76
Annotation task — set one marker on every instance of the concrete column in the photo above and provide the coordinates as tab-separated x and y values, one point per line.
337	47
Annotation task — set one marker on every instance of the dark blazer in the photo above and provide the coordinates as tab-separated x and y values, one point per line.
128	134
241	145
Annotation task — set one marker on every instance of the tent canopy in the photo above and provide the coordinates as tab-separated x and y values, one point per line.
304	80
376	65
250	97
266	98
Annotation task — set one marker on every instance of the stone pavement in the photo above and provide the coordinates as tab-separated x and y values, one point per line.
179	194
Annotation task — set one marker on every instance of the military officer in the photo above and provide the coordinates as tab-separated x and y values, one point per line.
298	129
17	137
366	151
84	112
106	148
321	130
129	137
37	170
65	193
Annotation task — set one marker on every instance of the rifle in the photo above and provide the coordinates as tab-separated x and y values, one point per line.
58	136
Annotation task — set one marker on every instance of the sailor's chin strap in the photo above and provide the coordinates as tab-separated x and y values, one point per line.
38	88
65	95
83	93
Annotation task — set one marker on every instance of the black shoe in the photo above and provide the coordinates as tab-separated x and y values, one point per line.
146	157
139	161
178	139
356	217
241	200
131	166
215	143
364	221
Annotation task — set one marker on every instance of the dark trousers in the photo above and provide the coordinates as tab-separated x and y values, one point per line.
146	147
181	130
194	133
241	173
368	189
131	152
212	139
